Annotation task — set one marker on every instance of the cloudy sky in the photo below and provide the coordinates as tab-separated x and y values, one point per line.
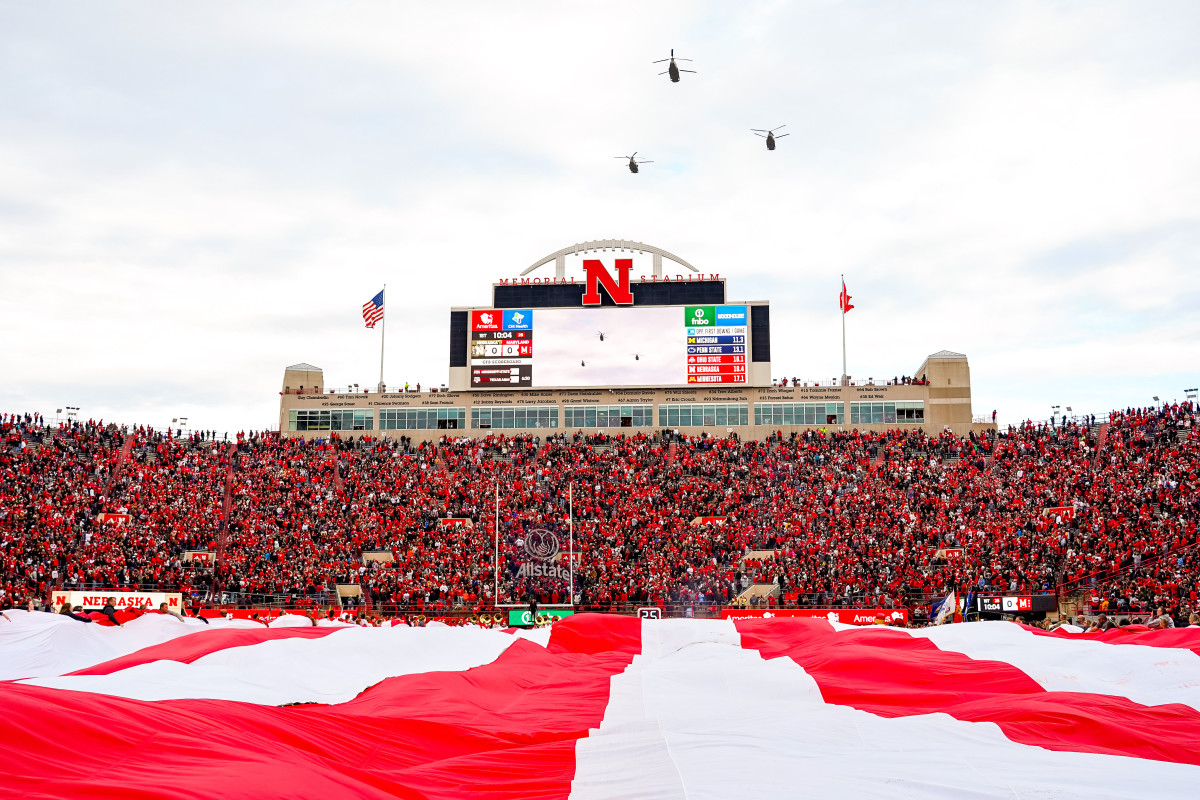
195	195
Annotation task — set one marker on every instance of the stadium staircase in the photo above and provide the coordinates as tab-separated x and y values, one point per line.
1082	586
878	461
1101	431
670	454
760	590
227	507
337	477
122	460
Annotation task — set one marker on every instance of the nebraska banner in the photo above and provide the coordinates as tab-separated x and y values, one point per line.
202	556
456	522
122	600
848	616
708	521
949	553
116	519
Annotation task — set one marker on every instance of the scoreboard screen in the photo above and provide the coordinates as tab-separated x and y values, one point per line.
639	346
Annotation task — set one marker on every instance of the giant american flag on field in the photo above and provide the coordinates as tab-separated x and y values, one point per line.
596	707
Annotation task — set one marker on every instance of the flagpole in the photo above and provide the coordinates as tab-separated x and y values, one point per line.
382	336
571	536
496	550
844	377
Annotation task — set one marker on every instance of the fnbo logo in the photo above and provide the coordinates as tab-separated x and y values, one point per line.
698	315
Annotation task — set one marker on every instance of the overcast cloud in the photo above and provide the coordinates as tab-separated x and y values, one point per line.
195	195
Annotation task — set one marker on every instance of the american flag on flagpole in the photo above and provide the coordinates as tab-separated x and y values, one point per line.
373	310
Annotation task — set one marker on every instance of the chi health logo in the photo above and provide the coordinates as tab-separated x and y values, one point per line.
698	317
485	318
518	317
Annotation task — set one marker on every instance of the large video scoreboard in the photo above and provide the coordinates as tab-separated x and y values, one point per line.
631	346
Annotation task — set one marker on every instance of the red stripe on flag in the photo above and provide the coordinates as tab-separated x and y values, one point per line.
506	731
892	674
187	649
1173	638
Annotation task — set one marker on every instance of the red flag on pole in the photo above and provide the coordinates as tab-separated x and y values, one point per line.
844	299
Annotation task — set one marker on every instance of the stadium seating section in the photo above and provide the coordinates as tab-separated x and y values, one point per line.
871	520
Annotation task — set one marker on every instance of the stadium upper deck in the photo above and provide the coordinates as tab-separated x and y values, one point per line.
614	351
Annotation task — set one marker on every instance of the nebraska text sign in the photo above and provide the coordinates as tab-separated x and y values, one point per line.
122	600
848	616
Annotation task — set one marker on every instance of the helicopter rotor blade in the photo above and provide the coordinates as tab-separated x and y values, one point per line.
777	127
685	59
780	136
686	70
660	61
645	162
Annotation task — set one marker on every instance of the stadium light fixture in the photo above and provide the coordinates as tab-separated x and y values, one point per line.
1156	398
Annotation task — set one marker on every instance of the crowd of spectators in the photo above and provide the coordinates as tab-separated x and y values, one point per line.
827	517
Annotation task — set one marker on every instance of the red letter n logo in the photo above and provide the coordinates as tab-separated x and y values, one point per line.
596	276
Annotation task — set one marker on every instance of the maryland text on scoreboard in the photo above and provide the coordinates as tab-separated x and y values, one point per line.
610	325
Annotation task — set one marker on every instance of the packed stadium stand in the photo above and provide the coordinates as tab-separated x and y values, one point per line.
1102	510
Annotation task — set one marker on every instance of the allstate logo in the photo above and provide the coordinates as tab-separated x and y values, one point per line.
698	317
541	544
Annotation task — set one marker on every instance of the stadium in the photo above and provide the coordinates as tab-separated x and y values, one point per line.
609	522
632	535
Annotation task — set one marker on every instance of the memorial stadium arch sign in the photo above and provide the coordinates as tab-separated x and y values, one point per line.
609	282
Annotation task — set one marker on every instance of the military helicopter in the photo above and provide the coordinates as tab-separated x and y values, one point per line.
770	135
601	335
673	70
633	162
637	356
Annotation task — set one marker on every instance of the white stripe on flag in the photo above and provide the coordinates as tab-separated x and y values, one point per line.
714	720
